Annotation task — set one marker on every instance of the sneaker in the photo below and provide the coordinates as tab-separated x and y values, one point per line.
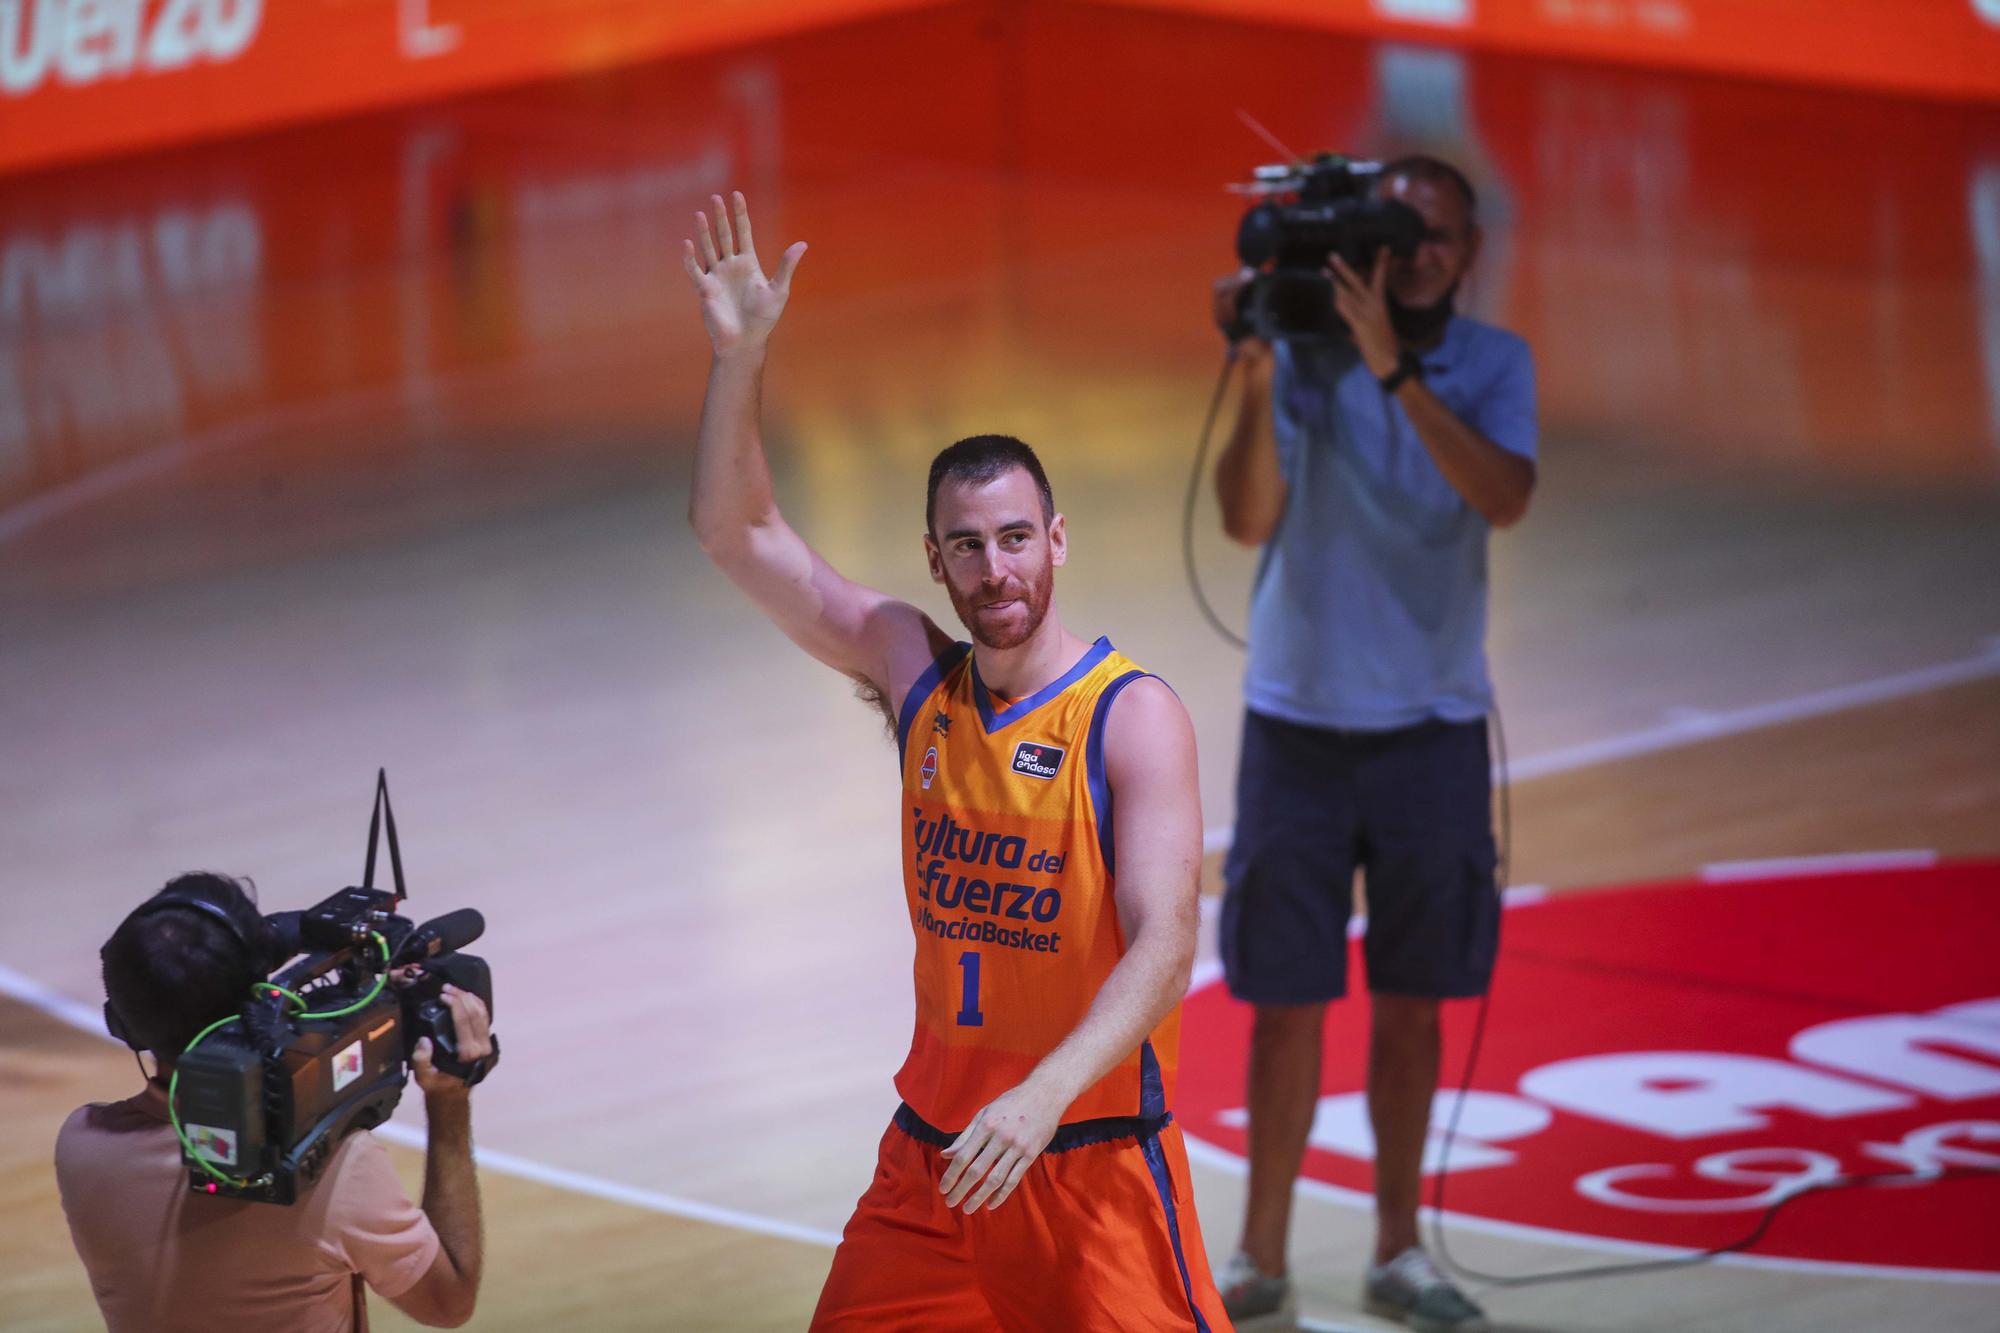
1410	1289
1252	1300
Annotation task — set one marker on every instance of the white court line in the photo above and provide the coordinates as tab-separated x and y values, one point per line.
177	448
1837	863
53	1003
507	1163
87	1019
1690	727
1685	730
1221	1159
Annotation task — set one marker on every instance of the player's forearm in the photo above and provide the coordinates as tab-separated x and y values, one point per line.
732	481
1148	982
1248	484
1492	480
451	1190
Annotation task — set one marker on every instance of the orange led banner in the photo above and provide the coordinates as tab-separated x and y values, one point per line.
81	78
84	78
1937	48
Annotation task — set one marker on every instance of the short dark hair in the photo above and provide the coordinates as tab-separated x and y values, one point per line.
978	459
171	972
1424	167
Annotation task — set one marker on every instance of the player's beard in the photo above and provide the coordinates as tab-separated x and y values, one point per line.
1019	629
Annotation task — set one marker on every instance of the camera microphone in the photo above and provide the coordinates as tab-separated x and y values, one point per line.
446	934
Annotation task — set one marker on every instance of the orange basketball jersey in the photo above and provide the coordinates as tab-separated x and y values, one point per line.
1008	866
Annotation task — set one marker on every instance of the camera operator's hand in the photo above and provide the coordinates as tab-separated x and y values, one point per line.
1226	292
1364	304
471	1029
739	305
1223	304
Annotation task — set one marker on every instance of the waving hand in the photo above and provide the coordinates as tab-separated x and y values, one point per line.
739	304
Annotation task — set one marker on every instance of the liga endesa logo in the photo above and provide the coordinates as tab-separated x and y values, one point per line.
1663	1064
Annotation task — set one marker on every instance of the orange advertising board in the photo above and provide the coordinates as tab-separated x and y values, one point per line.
1935	48
86	78
82	78
1721	274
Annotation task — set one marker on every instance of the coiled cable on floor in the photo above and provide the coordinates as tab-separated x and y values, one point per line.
1688	1260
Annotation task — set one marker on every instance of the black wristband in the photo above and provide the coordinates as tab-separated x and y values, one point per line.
1407	367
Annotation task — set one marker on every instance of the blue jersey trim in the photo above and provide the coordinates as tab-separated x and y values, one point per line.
1093	760
1152	1089
1073	1134
1016	711
1156	1163
926	685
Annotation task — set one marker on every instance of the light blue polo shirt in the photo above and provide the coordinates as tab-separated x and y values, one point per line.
1369	609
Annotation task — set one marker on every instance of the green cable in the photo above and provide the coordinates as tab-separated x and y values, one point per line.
174	1083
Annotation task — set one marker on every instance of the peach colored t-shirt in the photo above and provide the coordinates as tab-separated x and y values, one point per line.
163	1258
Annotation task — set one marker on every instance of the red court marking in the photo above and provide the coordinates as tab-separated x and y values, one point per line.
1701	976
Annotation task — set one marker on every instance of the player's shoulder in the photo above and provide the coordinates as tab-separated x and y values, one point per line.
1145	695
1145	722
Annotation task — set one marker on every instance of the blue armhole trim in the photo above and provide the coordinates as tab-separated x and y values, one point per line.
1093	759
926	685
1152	1091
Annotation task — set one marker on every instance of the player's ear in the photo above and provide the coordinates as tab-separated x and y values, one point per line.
1058	540
933	558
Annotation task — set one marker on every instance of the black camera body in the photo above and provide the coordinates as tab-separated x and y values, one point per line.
323	1047
1306	213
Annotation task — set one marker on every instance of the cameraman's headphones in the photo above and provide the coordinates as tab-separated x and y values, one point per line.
247	927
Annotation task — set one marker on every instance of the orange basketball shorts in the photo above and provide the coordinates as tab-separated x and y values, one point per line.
1099	1235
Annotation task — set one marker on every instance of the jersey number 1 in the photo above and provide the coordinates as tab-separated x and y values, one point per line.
968	1005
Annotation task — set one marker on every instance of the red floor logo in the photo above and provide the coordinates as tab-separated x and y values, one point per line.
1664	1063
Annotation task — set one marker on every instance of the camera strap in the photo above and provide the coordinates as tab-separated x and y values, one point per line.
383	814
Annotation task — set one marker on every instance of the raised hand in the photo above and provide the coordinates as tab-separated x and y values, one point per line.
1364	303
739	305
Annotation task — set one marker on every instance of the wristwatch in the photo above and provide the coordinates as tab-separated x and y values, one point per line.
1407	367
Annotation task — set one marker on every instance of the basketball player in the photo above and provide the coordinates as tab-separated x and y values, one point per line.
1032	1178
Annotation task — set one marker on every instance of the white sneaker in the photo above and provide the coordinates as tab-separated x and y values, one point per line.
1252	1300
1410	1289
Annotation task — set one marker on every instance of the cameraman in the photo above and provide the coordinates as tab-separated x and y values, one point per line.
1371	471
162	1257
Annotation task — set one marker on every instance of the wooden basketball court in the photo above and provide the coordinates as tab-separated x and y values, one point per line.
368	443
